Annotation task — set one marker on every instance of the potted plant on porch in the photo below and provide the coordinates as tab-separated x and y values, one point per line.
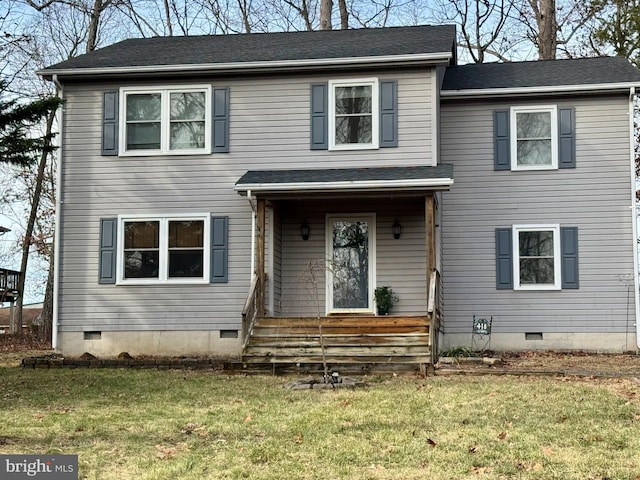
385	298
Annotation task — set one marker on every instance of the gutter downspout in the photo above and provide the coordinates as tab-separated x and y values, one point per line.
253	234
56	246
634	213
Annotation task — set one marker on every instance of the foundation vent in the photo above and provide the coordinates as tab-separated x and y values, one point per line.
92	335
533	336
228	333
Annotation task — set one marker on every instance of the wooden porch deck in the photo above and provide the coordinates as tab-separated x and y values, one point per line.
344	339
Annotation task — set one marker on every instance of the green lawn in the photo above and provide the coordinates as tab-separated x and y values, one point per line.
148	424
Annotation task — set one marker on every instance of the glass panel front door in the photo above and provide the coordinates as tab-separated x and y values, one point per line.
351	265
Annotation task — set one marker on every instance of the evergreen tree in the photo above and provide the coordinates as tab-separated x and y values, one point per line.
19	142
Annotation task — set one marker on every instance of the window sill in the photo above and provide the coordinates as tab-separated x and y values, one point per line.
537	288
353	146
533	169
156	153
162	282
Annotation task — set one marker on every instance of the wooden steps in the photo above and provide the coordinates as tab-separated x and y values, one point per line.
346	340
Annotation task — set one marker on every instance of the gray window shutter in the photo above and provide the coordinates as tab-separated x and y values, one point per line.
108	254
504	259
569	254
566	138
220	120
388	114
501	142
319	117
110	123
219	249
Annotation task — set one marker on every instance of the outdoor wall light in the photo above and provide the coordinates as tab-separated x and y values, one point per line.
396	228
304	230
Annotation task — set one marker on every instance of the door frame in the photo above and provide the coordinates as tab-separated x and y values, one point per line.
370	218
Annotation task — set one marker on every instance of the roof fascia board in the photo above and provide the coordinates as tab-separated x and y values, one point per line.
409	59
442	183
545	90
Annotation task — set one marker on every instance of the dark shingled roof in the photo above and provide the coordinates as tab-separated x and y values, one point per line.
265	47
582	71
333	175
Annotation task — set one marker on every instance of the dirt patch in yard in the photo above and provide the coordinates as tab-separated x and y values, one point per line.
551	362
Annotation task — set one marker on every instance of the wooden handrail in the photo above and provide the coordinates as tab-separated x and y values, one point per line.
434	311
250	311
431	303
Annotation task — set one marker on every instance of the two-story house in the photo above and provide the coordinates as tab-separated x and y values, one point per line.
222	195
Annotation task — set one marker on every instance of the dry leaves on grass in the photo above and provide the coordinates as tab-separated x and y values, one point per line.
478	470
164	452
195	429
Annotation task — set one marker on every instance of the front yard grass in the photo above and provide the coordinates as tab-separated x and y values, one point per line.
148	424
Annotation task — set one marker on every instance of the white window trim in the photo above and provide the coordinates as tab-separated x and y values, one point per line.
557	258
553	110
375	113
165	123
164	220
329	218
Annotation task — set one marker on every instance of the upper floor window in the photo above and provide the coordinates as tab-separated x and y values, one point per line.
167	120
353	114
534	144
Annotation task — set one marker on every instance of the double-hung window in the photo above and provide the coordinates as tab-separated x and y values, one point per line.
353	114
534	144
536	259
164	249
165	121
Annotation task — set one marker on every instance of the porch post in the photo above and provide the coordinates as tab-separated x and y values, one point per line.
430	242
260	264
430	237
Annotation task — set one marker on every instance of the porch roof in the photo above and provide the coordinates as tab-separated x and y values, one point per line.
413	178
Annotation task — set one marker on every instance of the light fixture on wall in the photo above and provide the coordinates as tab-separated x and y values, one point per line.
304	230
396	228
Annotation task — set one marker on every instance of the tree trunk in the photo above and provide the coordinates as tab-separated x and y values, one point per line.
344	15
545	12
167	13
244	10
46	316
16	320
326	9
94	22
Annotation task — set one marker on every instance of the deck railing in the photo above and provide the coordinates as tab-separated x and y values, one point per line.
9	281
250	312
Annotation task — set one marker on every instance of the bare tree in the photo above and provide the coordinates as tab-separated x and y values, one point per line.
344	14
552	25
29	240
326	11
547	28
481	26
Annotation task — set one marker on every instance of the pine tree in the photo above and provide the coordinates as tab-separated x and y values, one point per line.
19	142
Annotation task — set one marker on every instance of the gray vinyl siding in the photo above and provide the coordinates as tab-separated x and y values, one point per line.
400	264
274	278
269	128
595	197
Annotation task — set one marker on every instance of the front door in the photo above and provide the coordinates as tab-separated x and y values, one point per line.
351	247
